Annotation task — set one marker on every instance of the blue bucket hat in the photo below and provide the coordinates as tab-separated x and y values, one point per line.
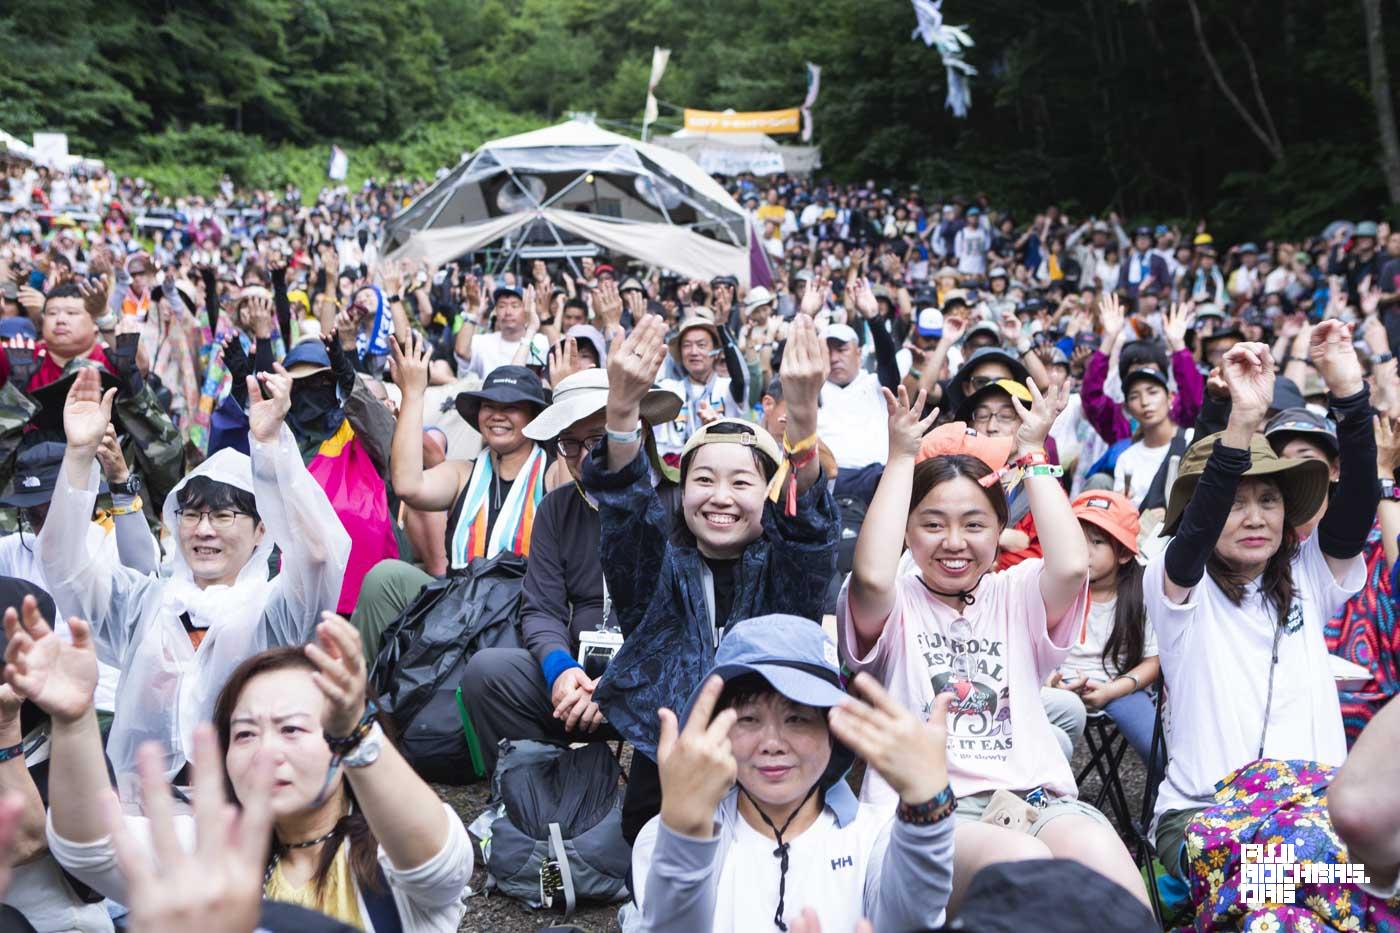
798	660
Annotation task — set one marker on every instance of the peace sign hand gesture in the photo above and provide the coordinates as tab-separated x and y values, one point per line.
911	755
697	763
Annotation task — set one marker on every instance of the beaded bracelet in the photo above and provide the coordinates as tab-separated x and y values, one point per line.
935	810
343	745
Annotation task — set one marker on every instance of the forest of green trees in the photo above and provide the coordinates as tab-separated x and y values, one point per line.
1260	113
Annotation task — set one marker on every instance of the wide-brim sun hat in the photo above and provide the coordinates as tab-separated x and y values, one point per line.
583	395
504	385
1304	483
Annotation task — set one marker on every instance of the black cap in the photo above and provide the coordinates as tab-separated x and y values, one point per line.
505	291
1143	371
978	357
1291	421
36	475
504	385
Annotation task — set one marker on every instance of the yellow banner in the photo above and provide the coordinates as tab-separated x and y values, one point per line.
764	121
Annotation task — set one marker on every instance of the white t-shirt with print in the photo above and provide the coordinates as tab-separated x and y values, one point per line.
1136	467
998	735
1085	658
1215	660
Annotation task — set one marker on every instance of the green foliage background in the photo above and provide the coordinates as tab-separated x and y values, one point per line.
1098	103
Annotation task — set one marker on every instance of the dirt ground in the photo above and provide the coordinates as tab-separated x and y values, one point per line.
499	914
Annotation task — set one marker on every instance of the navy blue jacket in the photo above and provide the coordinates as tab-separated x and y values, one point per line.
658	590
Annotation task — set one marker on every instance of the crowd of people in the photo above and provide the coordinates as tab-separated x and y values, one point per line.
787	543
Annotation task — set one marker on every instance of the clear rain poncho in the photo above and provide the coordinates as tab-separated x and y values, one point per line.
167	685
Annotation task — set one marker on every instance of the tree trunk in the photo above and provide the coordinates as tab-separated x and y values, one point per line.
1267	134
1380	97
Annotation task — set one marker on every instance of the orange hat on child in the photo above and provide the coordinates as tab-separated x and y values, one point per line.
1111	511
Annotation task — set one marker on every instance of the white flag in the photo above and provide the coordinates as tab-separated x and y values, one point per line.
659	58
340	164
814	86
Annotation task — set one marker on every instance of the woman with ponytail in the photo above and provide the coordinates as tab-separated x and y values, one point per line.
1112	659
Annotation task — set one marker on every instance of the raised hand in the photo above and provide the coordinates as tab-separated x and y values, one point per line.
32	300
1387	447
906	428
697	764
806	365
864	299
1334	356
564	361
1370	297
410	361
471	296
636	302
1037	420
816	296
1010	326
55	676
910	754
1176	322
218	887
632	368
1111	317
260	317
266	410
1248	371
94	295
87	411
608	302
954	326
390	278
340	673
109	454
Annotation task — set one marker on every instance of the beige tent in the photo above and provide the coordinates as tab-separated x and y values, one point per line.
573	184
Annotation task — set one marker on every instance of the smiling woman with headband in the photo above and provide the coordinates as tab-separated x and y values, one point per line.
950	624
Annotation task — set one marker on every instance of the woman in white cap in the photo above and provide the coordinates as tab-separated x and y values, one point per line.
705	394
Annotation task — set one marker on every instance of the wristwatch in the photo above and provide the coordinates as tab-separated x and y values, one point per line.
131	487
367	752
1380	358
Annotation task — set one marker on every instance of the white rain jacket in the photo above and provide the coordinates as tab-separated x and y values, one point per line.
168	686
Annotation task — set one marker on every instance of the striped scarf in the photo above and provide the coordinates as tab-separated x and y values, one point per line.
511	531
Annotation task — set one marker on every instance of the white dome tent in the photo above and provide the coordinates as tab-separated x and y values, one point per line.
551	191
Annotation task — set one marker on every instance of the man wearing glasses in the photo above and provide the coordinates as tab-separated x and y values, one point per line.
545	691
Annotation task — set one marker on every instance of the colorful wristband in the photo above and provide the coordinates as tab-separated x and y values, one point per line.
135	506
1045	469
13	751
935	810
625	437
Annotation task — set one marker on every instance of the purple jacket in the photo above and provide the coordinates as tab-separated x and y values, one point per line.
1107	416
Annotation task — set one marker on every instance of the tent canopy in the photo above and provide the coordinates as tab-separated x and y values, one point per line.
737	153
572	183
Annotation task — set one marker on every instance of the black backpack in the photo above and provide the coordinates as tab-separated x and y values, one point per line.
426	649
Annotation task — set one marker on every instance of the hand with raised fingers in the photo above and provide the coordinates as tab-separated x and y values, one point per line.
909	753
87	411
1176	322
1039	418
269	400
696	763
340	673
1110	317
633	366
110	456
906	427
218	887
410	362
41	667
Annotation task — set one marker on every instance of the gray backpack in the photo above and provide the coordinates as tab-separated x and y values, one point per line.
555	838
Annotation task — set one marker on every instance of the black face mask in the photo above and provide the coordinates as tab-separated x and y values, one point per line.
314	408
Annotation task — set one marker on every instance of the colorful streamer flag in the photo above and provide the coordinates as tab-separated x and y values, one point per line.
339	164
950	42
659	58
814	86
